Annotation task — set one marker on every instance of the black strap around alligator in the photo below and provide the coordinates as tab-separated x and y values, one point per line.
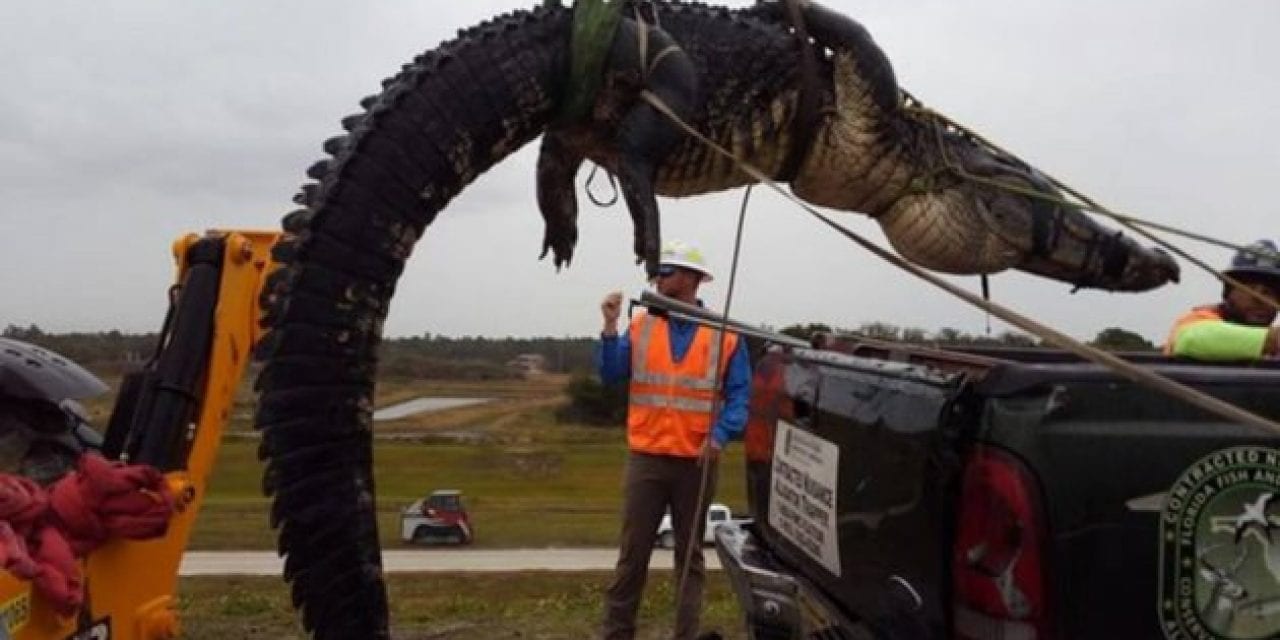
805	124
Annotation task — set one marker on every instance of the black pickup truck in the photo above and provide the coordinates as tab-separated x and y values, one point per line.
908	492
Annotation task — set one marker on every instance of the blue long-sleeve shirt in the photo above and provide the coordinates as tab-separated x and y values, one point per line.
613	361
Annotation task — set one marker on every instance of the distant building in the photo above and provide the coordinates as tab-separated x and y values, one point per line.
529	363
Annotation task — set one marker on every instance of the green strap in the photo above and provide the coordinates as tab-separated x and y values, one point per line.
594	24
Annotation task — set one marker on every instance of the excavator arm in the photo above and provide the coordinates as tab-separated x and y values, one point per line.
170	415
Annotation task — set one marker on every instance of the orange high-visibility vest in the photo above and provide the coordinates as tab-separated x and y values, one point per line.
1198	314
769	402
672	402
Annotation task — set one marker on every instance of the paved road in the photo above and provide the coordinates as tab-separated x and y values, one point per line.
265	563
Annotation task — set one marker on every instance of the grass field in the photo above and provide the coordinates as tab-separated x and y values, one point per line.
528	480
531	605
559	488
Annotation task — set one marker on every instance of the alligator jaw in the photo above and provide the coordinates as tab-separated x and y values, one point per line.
988	212
1069	246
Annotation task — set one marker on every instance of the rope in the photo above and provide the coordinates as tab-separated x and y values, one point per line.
1052	336
715	397
1083	203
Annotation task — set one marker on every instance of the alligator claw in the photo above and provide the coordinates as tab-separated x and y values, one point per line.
558	163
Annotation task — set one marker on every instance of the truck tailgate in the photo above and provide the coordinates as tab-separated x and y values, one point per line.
854	488
1143	494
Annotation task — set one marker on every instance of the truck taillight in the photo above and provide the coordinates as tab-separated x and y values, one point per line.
998	561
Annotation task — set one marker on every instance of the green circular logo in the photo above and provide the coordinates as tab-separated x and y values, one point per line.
1220	548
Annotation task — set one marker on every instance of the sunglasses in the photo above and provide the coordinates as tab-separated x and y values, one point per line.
666	270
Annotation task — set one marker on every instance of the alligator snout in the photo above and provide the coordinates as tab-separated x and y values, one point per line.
995	213
1062	242
1148	269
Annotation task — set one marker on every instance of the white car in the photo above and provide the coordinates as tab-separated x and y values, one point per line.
717	515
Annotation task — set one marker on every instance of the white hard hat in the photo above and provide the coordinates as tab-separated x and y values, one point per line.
680	254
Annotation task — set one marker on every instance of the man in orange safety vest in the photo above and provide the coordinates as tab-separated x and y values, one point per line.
675	426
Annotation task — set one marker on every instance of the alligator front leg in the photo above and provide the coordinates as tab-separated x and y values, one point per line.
558	163
644	135
643	141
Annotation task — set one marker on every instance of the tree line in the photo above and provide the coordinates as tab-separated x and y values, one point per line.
1110	338
436	356
479	358
425	356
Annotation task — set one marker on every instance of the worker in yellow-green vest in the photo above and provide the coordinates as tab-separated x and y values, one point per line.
675	428
1239	327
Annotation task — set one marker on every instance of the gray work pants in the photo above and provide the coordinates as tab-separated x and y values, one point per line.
652	484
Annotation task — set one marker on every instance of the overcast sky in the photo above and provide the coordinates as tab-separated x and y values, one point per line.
124	124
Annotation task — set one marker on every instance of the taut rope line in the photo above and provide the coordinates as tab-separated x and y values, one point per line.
700	517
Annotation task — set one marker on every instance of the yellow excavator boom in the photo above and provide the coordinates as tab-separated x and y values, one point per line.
171	415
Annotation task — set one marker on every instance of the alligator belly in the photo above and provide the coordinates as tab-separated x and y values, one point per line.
852	164
696	168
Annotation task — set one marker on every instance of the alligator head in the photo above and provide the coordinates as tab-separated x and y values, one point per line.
945	200
981	211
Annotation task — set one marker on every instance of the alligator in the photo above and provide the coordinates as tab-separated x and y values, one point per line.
842	135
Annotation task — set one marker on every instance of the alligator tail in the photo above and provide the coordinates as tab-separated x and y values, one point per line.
444	119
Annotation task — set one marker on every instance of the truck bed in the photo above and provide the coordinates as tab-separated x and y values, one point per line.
856	454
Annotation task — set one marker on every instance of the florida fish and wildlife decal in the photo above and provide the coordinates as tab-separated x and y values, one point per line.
1220	548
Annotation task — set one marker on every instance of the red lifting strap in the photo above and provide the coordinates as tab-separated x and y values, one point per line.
59	578
42	535
101	500
22	505
22	501
14	555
